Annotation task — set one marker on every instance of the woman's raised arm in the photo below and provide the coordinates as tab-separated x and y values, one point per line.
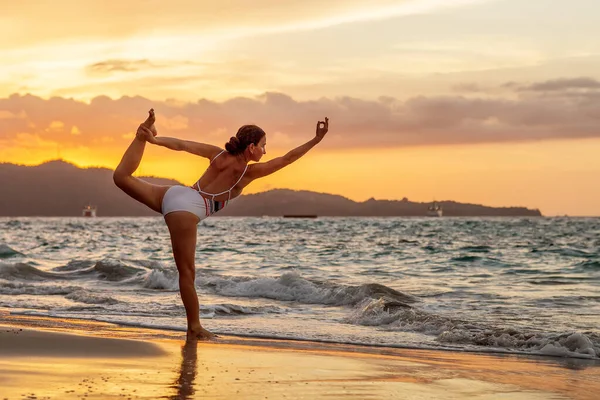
260	170
201	149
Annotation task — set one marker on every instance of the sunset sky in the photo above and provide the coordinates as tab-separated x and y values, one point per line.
494	102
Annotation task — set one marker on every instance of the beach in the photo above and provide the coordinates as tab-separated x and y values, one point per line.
50	358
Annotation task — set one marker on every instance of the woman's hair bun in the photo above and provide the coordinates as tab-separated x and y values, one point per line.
234	145
246	135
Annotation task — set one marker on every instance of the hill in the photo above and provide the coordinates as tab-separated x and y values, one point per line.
58	188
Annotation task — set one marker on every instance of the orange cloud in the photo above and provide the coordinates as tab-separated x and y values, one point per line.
355	123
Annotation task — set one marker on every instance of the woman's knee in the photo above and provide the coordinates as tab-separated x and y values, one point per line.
187	275
120	178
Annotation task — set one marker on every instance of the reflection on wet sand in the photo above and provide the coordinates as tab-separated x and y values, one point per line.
187	372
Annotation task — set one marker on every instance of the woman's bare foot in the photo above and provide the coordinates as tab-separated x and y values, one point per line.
149	122
200	334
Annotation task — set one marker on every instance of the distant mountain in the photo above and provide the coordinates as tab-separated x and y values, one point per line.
58	188
280	202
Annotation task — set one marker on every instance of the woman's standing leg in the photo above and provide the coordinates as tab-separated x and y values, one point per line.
183	229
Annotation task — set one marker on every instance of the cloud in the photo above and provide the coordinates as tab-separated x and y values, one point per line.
113	66
119	66
468	87
8	115
176	123
355	123
563	84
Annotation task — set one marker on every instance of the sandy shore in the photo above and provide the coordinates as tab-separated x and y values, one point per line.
46	358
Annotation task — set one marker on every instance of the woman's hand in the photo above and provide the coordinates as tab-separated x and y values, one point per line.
146	134
322	130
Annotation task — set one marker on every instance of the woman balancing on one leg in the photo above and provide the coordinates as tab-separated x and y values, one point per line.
183	207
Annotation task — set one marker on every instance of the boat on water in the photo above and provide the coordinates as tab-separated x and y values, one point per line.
88	211
435	210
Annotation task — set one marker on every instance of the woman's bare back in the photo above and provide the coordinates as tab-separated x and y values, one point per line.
224	172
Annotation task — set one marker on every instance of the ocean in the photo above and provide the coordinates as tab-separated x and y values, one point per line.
509	285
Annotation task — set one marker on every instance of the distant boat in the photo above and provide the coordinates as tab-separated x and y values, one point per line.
300	216
88	211
435	210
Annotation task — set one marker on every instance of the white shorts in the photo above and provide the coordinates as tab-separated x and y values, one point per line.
184	198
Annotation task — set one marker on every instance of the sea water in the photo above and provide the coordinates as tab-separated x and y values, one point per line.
517	285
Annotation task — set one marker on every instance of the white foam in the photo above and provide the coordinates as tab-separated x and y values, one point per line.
292	287
452	331
576	343
160	280
565	344
397	316
236	309
17	288
88	297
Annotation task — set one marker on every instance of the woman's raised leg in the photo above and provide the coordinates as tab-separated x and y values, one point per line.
183	229
144	192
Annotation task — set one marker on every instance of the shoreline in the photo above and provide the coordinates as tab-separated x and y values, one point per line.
585	359
71	358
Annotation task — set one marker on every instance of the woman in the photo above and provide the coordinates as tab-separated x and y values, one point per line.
183	207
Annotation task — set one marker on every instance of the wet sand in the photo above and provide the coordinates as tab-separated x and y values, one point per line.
46	358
